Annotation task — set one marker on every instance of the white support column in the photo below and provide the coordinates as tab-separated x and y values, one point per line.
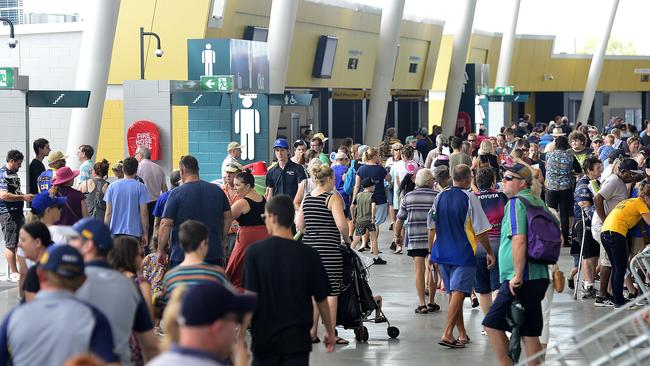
456	78
92	74
391	19
507	46
280	40
596	67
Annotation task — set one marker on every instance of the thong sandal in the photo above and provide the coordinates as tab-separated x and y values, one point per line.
433	307
342	341
315	340
464	341
454	344
422	309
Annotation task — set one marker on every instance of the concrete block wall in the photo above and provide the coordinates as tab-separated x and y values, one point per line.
48	54
12	122
209	133
150	100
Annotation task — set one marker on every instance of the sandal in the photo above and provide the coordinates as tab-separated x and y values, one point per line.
398	251
342	341
433	307
315	340
452	344
464	341
422	309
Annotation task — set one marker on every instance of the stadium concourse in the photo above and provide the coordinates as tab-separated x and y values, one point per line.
417	342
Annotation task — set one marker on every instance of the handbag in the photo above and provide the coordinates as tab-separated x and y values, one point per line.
558	281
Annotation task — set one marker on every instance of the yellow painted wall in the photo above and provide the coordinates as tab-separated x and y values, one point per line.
356	32
179	133
111	134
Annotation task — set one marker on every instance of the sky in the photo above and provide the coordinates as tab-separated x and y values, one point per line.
573	22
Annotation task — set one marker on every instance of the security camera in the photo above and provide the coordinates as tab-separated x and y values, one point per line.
12	42
159	52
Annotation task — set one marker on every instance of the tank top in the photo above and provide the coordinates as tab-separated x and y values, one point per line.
254	216
95	200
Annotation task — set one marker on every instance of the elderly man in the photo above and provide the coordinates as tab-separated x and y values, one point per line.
456	222
234	154
527	279
153	177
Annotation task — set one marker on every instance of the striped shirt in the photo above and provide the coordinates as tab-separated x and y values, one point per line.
188	275
414	209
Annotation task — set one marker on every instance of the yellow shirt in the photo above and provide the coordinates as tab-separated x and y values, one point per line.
625	215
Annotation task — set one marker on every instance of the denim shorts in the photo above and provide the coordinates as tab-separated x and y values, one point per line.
457	278
486	280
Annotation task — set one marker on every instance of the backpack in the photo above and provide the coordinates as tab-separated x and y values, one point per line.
348	184
544	235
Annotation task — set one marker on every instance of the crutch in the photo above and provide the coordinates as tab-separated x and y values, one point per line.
582	247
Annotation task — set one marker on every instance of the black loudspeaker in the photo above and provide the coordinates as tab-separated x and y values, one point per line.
253	33
324	60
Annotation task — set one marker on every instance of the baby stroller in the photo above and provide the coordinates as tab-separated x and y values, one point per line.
356	301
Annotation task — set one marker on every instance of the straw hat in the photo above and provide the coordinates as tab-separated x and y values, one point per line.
558	132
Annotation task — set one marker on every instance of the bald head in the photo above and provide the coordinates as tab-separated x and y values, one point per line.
461	175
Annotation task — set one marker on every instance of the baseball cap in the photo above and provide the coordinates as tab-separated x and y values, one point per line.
367	182
533	139
630	165
234	145
56	156
205	303
409	139
43	200
96	230
411	167
233	167
441	172
521	170
341	156
63	260
281	143
597	138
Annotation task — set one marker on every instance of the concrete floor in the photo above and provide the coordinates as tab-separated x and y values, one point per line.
417	343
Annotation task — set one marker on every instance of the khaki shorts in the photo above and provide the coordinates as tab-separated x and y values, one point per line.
595	233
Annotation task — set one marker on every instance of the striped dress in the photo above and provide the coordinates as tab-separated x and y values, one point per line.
322	234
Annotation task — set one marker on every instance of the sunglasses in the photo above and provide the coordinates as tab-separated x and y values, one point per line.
471	140
510	178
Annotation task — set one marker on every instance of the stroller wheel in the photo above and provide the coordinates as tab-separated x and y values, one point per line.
393	332
364	334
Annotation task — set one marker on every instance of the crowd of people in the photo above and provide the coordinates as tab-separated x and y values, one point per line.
108	265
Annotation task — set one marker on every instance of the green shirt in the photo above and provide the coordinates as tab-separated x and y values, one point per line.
363	210
324	158
514	223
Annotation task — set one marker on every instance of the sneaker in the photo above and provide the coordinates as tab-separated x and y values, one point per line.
589	293
378	260
14	277
626	306
474	302
631	296
572	283
602	302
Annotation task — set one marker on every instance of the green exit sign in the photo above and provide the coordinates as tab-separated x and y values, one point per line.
6	77
220	83
504	90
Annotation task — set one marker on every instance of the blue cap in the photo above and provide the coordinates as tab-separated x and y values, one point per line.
281	143
43	200
95	230
63	260
208	302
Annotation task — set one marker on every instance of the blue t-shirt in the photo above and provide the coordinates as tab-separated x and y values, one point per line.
160	204
126	196
44	181
377	173
201	201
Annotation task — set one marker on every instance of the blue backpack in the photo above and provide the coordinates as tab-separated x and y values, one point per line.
348	184
543	236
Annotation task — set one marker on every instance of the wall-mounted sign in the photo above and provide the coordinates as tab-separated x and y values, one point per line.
58	98
348	94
